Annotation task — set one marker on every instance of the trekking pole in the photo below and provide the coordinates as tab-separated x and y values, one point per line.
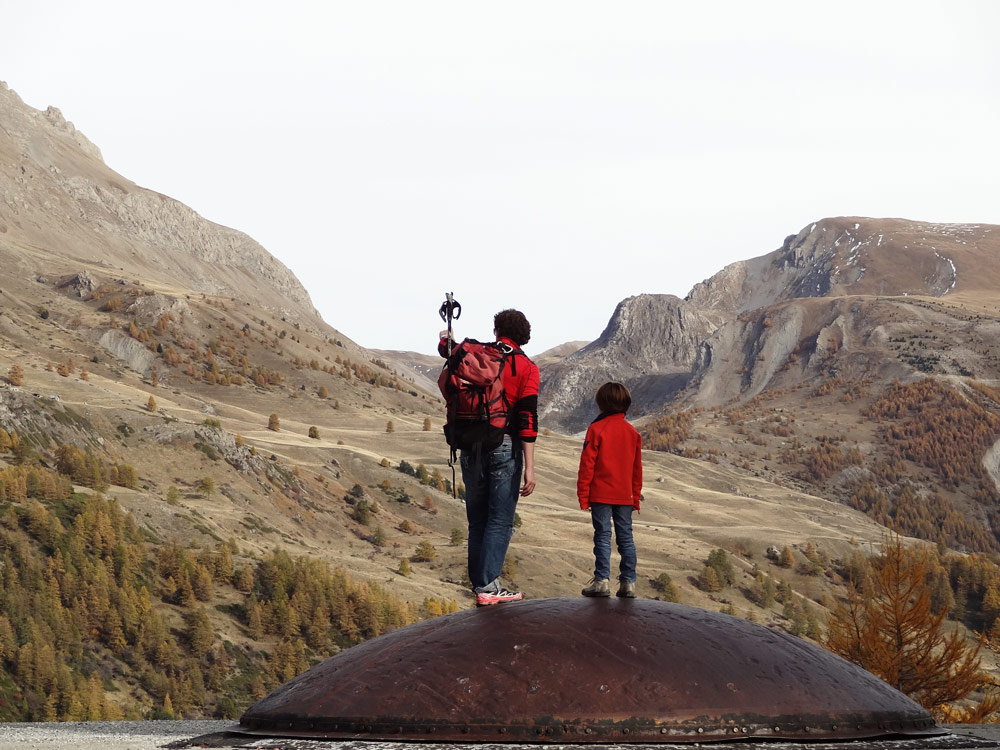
451	309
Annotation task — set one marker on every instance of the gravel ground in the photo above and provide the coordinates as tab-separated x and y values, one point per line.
103	735
154	735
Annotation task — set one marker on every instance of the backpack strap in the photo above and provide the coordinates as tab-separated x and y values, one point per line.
508	353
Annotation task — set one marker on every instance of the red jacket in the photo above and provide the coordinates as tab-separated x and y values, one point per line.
520	382
611	463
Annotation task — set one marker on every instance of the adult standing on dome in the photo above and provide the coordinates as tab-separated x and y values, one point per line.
493	478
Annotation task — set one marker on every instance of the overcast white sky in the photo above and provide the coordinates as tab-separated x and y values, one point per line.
554	156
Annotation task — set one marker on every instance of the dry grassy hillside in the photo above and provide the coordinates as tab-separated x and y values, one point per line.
292	491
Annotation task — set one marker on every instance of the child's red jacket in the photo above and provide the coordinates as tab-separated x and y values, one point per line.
611	463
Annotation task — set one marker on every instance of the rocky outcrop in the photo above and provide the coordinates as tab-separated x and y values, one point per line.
128	350
217	443
650	344
741	358
42	418
55	118
51	119
801	267
991	462
82	283
150	307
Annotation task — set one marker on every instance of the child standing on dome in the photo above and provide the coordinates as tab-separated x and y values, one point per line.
609	485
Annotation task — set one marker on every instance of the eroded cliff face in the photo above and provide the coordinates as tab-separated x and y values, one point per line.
651	344
774	318
59	200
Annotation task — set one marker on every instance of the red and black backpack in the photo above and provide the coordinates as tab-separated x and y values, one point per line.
471	382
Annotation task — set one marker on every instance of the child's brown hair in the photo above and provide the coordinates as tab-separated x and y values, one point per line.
613	398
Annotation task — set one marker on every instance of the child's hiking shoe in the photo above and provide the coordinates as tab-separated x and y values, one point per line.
626	589
597	587
497	596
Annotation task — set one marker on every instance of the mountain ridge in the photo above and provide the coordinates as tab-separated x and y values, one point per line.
53	198
837	258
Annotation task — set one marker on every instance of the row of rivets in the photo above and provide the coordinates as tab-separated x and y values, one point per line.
542	731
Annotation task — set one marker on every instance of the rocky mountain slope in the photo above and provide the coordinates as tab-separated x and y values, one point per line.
62	207
651	343
732	333
858	361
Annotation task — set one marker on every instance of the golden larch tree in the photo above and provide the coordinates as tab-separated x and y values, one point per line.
888	627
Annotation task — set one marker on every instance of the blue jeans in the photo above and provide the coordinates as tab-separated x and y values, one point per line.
492	484
603	515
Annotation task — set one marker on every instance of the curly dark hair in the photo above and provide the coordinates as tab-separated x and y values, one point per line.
513	325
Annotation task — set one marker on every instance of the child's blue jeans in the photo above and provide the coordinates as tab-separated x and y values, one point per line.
604	517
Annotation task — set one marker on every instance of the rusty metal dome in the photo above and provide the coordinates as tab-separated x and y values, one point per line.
586	670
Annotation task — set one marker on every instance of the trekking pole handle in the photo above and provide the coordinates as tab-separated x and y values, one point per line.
450	309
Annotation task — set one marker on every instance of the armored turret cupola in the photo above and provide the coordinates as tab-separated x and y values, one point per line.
587	671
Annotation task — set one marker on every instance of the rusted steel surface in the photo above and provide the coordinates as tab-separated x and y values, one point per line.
586	670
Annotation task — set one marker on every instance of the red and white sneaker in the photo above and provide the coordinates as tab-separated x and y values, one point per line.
501	595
